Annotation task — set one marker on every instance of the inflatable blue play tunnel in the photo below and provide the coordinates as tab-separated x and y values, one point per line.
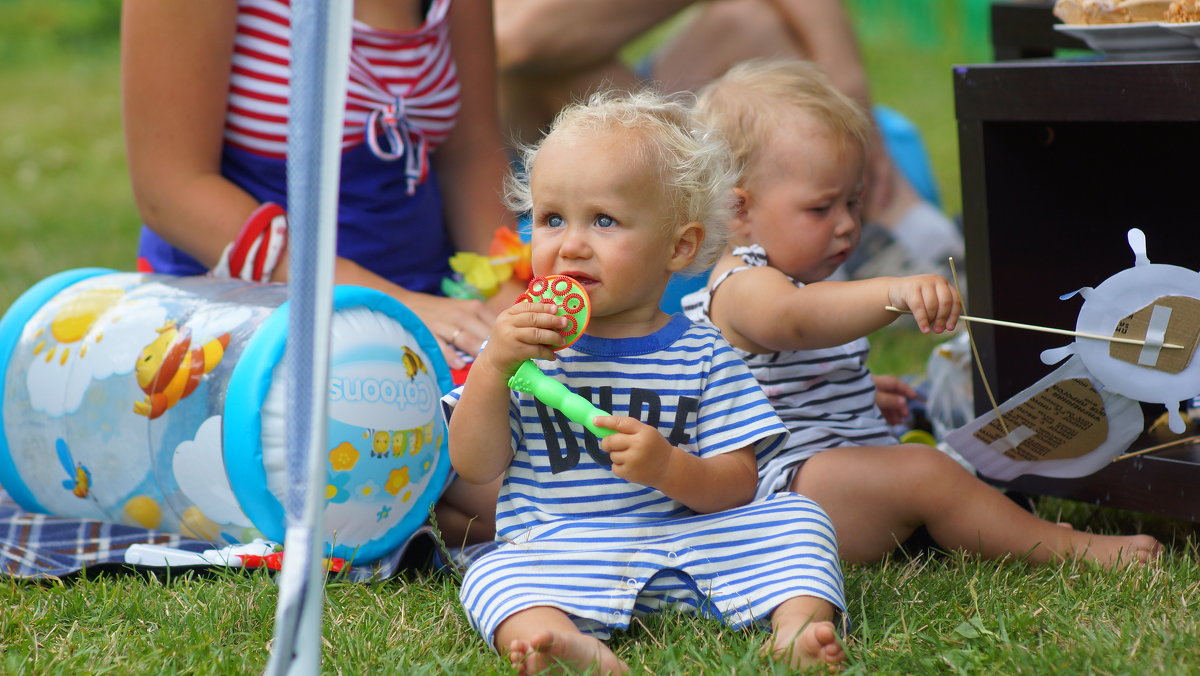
160	401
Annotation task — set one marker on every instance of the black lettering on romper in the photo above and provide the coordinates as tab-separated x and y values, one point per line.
644	405
683	410
553	430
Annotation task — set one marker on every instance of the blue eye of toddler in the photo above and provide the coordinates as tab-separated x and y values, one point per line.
604	221
554	221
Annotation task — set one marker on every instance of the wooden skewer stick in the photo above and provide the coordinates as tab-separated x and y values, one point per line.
1177	442
1045	329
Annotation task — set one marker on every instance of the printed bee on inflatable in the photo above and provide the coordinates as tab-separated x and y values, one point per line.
380	441
79	478
413	363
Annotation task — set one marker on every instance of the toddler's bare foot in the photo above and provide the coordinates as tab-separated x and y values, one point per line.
547	651
1114	550
816	643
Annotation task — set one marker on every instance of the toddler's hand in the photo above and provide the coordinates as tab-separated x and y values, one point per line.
638	451
933	302
891	396
524	331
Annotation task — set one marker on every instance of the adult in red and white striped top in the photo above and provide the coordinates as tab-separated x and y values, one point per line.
205	89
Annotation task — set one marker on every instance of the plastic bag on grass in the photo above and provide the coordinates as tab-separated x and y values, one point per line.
950	402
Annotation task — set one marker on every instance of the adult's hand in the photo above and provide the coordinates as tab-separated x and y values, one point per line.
461	324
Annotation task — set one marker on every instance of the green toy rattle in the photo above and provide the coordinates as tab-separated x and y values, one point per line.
572	302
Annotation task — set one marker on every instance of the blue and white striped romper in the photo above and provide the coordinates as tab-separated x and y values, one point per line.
576	537
825	397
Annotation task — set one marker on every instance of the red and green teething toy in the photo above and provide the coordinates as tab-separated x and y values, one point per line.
572	301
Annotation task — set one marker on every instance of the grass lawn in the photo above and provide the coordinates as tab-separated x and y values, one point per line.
65	203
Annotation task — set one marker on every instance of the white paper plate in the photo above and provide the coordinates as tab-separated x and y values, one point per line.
1126	39
1191	30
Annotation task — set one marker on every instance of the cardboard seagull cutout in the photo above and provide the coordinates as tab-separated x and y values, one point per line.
1075	420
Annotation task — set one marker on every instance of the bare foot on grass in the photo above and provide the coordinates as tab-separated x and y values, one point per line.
1115	550
548	651
814	644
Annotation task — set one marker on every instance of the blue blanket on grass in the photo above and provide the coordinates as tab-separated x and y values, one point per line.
42	546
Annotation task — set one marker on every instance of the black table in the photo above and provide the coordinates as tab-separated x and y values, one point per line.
1024	29
1059	158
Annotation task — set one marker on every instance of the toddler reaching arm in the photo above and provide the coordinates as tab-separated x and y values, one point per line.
762	310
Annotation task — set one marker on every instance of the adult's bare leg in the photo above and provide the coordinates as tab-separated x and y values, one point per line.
529	101
719	35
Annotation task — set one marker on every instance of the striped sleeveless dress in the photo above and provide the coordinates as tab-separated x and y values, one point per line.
825	397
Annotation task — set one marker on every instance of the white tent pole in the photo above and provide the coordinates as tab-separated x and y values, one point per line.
319	64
